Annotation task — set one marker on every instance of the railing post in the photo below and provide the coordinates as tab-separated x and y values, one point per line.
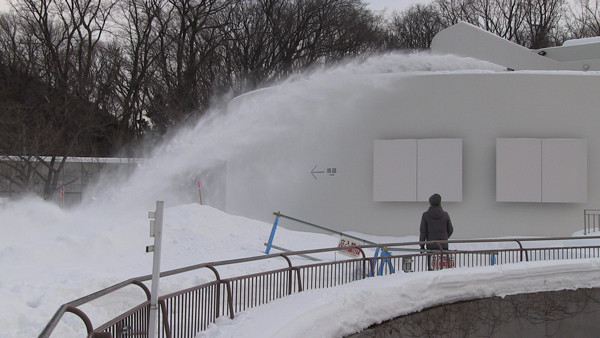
229	299
156	224
585	219
364	263
375	263
290	272
521	251
277	215
299	280
166	325
218	289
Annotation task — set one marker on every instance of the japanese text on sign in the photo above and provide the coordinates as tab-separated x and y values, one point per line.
344	241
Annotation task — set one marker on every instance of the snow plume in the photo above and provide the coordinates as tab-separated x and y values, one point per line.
299	105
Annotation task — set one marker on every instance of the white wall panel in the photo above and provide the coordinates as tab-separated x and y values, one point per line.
394	170
518	170
439	169
478	107
564	170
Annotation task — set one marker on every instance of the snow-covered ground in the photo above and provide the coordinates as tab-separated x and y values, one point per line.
50	256
46	264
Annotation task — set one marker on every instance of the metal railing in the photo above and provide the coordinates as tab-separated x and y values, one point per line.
591	221
187	312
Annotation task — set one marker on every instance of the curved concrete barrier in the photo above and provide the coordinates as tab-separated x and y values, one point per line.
567	313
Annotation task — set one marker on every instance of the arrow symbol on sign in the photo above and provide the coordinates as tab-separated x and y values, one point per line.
313	171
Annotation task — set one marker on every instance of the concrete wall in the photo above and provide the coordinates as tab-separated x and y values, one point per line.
334	140
567	313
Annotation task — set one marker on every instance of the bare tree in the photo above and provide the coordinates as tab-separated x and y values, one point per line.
140	24
269	39
542	19
453	11
62	117
248	50
188	60
585	19
415	27
504	18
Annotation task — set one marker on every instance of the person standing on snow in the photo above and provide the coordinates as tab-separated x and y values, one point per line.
435	225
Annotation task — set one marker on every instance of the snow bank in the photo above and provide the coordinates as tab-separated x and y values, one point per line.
351	308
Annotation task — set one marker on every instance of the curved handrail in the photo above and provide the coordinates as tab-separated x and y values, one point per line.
72	306
521	250
88	323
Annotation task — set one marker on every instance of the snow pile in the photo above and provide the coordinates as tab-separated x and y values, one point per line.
50	257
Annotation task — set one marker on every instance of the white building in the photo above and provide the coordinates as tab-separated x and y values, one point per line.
513	150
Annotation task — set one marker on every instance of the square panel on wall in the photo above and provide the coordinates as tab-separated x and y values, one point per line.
412	170
439	169
394	170
518	170
541	170
564	170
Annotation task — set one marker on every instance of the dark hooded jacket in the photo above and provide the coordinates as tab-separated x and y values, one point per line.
436	225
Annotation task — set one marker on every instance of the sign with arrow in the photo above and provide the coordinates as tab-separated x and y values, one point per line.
330	172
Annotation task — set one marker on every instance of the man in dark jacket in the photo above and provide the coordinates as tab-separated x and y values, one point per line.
435	225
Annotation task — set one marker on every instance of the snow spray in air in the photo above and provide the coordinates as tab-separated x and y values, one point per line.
304	106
